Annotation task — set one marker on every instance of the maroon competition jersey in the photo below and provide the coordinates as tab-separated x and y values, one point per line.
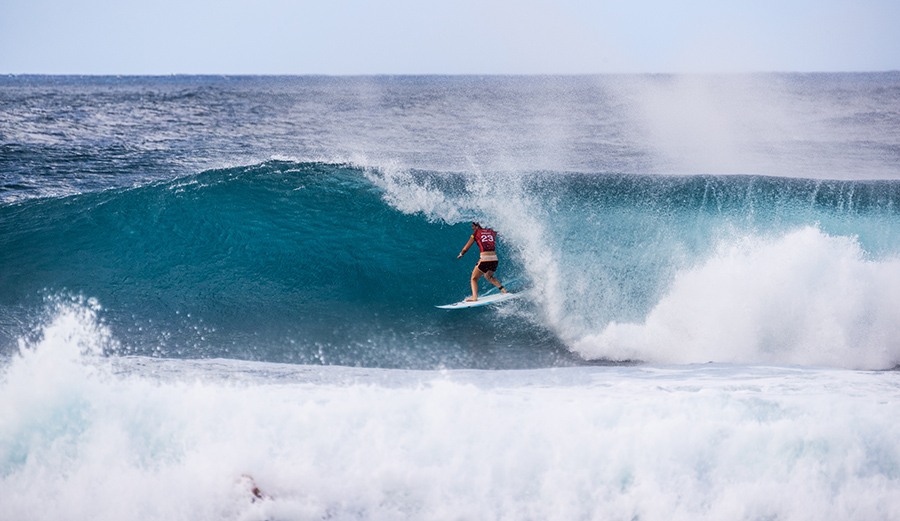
485	238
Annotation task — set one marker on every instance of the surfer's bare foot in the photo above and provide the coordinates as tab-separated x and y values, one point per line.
471	299
503	290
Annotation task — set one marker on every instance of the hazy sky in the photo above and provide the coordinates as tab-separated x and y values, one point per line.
446	37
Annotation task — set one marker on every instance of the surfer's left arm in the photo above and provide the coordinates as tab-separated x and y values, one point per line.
466	247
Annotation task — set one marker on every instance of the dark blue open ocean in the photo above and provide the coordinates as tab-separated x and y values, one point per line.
211	282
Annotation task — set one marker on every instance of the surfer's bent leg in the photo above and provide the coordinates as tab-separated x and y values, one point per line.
476	274
493	280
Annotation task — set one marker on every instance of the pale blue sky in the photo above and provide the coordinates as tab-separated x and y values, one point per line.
446	37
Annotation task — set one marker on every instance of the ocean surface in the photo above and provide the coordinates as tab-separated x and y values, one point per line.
217	298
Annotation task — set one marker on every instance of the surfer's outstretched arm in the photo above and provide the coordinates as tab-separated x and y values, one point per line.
466	247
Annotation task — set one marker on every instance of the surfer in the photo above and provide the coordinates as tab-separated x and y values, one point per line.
487	263
250	485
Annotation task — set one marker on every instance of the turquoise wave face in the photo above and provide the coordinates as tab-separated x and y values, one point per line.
334	264
279	262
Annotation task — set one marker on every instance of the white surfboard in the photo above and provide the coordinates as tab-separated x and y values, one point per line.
483	301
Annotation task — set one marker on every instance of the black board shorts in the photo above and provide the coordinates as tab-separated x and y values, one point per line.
486	266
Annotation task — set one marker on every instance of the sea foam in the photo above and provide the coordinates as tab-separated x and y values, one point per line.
90	437
804	298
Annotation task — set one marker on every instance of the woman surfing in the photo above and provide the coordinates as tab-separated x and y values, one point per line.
487	263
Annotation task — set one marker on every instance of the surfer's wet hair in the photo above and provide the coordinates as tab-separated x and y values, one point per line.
476	224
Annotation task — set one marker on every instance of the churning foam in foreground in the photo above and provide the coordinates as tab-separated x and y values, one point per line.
86	437
805	298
